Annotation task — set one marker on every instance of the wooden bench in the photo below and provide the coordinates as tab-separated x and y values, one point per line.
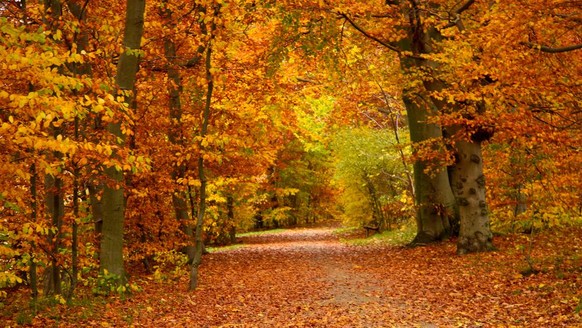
369	228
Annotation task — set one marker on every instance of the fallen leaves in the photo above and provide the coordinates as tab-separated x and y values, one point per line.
306	278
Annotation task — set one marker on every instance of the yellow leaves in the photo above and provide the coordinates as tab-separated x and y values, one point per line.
192	182
58	35
7	252
9	279
104	149
287	191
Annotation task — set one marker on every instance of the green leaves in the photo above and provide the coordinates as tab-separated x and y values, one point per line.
369	171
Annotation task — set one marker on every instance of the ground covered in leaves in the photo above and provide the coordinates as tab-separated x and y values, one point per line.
308	278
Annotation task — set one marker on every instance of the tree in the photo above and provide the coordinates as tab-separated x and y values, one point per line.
111	254
419	43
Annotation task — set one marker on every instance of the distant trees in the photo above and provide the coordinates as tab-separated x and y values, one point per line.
371	178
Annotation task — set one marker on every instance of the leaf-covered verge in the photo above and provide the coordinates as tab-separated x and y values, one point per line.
307	278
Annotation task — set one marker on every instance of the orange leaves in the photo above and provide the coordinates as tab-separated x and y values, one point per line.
305	278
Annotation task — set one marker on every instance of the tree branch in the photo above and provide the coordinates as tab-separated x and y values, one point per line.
305	80
550	49
457	15
368	35
464	6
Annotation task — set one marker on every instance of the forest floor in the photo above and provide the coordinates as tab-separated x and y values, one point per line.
308	278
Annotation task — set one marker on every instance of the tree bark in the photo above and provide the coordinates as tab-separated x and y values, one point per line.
434	198
433	195
230	216
55	206
469	186
201	173
111	254
176	137
79	69
33	217
53	184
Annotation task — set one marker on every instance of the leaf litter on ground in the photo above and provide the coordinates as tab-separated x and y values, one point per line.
308	278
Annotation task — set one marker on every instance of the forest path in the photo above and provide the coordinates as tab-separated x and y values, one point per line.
308	278
297	278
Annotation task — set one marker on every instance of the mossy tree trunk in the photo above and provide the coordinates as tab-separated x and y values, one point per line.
111	255
434	197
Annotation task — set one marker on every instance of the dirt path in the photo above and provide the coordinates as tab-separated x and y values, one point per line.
297	278
307	278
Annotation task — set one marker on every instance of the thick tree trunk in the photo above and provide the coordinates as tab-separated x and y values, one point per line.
469	187
53	184
434	198
111	254
79	69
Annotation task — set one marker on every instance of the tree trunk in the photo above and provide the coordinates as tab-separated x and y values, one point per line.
378	217
201	173
433	195
520	201
33	217
79	69
469	186
53	184
230	215
176	137
96	208
434	198
111	254
55	206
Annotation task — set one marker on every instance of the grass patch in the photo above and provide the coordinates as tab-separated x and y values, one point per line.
346	231
260	233
399	237
224	248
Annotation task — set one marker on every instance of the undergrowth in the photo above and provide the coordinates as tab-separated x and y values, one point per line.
399	237
259	233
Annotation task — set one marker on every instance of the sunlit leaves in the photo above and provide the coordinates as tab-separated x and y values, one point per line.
370	174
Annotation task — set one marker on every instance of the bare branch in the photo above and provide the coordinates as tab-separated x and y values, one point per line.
305	80
550	49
